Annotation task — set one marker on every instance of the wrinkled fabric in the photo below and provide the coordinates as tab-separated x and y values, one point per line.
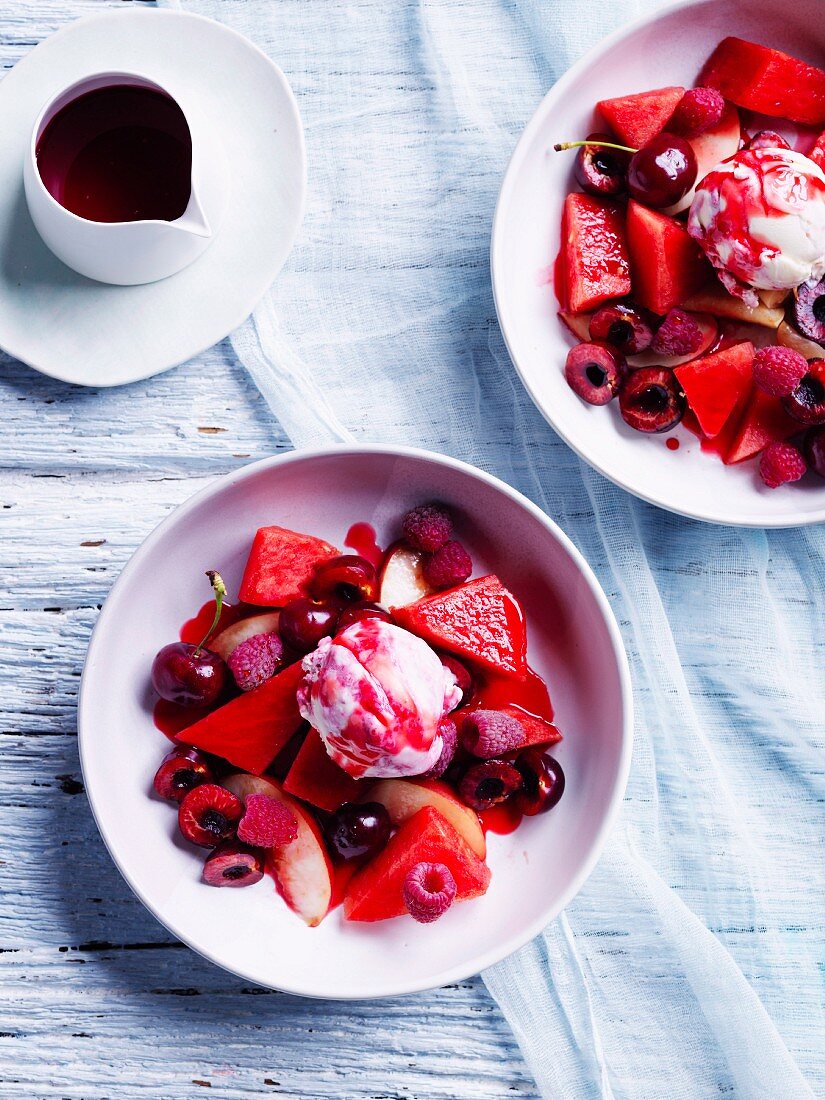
687	967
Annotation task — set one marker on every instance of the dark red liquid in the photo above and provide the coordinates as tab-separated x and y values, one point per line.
672	444
118	154
361	539
529	694
503	819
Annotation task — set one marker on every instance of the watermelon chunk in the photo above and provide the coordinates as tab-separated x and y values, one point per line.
376	892
715	385
251	730
596	265
480	621
635	119
280	565
667	264
538	731
763	421
318	780
766	81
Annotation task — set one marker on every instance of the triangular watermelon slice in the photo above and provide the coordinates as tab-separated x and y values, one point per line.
480	621
764	421
635	119
595	258
281	564
376	892
251	730
716	384
766	81
666	264
318	780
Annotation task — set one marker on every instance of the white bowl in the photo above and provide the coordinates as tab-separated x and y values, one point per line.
573	642
664	48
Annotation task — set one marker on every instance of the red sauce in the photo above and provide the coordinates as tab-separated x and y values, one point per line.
170	718
361	539
672	444
194	630
529	694
502	819
341	875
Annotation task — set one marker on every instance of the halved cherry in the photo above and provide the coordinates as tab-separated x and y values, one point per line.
348	577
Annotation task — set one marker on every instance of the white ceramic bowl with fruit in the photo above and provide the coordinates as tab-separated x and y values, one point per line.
285	938
664	54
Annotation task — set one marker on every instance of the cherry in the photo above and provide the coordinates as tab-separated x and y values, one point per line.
663	171
807	402
628	328
595	372
809	310
814	448
180	771
542	782
488	783
303	623
357	830
652	400
191	675
348	577
359	612
233	864
600	170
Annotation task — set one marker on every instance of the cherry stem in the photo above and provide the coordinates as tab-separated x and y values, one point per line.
219	588
596	144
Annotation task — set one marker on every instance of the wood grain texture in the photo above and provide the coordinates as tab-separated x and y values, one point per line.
96	999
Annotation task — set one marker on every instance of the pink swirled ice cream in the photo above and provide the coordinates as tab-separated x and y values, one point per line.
376	694
760	219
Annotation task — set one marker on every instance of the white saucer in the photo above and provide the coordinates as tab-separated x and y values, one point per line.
97	335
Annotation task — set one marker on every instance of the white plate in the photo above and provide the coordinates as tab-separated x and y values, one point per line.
667	47
85	332
573	642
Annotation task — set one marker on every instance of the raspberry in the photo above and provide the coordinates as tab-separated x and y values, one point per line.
255	660
781	463
448	566
698	110
489	733
778	370
678	334
449	742
267	823
488	783
429	891
427	527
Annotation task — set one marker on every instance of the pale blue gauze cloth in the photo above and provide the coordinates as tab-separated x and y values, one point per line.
690	964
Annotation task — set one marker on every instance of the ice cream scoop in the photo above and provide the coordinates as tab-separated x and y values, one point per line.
376	694
760	219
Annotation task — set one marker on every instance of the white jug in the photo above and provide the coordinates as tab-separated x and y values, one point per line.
130	252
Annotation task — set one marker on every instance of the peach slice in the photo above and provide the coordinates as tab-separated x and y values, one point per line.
716	300
402	798
302	870
710	331
402	578
238	632
788	337
711	148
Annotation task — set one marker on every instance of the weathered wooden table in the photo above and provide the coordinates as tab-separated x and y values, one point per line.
96	999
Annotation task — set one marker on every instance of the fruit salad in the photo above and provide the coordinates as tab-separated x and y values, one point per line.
356	723
692	262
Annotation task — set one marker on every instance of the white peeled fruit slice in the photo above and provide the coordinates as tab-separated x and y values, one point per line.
711	148
788	337
402	578
302	869
716	300
402	798
578	323
709	330
233	635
